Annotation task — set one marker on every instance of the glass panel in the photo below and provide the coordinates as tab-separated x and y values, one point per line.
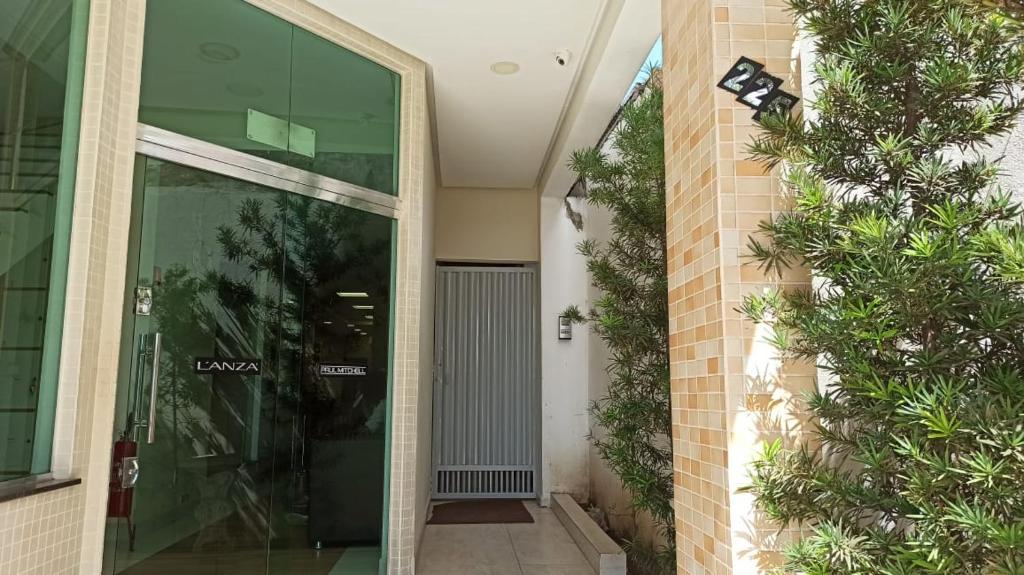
35	213
231	74
202	499
332	406
352	105
207	64
290	459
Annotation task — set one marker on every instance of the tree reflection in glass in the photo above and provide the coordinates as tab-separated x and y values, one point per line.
296	283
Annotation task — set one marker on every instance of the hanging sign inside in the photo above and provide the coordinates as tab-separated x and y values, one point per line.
757	89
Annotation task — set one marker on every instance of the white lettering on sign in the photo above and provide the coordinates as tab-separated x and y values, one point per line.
205	366
334	370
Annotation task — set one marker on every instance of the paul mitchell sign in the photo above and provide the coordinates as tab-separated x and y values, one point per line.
336	370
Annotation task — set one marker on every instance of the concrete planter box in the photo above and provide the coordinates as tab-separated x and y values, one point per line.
603	553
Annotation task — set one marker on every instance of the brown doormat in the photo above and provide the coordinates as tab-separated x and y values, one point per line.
480	511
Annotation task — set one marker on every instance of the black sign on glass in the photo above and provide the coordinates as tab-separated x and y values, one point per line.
740	75
220	365
339	370
757	89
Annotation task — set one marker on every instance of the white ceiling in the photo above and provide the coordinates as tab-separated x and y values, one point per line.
492	131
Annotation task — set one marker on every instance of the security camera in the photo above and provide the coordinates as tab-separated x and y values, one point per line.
562	57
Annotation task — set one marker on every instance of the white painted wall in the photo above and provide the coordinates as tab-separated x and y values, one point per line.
565	420
606	491
621	47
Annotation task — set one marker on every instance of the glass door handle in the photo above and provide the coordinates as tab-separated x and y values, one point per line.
154	389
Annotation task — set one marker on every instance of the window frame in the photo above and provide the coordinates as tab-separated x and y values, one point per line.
49	467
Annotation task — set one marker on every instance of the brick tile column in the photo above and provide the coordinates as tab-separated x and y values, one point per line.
730	391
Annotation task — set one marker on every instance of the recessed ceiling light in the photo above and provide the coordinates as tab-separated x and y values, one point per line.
353	294
362	307
218	52
504	68
369	317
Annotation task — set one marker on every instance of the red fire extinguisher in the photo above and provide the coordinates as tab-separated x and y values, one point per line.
123	475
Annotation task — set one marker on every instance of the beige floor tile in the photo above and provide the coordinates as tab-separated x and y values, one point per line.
557	570
531	504
536	510
455	569
540	548
544	543
467	549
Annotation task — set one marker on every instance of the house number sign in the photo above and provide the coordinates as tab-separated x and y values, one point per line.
757	89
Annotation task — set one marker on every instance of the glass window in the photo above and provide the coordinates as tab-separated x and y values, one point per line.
350	103
41	62
228	73
206	64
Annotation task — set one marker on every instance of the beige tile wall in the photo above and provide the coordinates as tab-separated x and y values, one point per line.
730	392
104	187
41	534
425	391
62	531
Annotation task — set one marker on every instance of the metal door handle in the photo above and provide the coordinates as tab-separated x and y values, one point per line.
154	389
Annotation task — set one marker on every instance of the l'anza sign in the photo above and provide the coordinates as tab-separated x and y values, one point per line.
219	365
338	370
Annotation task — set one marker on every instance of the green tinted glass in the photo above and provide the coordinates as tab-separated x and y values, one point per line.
37	157
231	74
253	393
207	64
350	103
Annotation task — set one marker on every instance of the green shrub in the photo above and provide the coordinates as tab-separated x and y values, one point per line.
631	315
917	462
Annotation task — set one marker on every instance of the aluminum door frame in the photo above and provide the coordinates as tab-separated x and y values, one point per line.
176	148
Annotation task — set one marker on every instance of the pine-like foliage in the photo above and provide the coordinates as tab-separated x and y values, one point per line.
918	463
631	315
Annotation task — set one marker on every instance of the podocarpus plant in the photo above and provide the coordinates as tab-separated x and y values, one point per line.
917	462
631	315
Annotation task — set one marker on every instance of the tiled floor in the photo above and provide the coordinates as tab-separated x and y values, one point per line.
540	548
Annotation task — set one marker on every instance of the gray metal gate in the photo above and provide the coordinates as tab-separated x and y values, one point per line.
486	392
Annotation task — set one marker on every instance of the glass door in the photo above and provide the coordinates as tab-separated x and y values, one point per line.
253	381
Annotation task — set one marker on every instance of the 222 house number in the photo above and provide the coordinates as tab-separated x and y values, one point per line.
757	89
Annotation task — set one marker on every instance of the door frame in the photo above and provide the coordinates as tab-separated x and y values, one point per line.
179	149
172	147
538	402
